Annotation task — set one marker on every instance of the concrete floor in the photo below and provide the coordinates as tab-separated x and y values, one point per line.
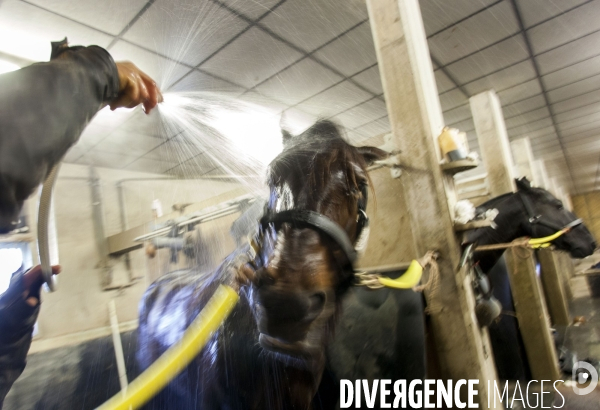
583	339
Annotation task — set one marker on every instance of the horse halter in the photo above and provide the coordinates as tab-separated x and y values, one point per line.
536	219
303	218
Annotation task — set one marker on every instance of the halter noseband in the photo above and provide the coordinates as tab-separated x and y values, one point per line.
302	218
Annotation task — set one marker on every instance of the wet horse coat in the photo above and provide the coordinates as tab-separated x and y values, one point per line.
270	352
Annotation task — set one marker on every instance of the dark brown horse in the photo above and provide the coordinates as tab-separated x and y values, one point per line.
270	352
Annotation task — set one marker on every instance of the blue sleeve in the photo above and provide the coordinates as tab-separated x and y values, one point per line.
17	319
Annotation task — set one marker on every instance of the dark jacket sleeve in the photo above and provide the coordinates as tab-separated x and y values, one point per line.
16	326
43	111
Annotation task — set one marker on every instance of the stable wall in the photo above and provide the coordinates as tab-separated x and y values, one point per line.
587	207
80	304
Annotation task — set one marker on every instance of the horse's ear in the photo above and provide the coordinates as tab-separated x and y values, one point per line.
286	136
372	154
523	184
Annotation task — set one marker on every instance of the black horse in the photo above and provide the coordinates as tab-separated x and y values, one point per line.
270	352
380	334
532	212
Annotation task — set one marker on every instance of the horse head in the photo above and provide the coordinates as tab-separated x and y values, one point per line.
547	215
536	213
314	218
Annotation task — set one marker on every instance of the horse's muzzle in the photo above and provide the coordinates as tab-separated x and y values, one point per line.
580	253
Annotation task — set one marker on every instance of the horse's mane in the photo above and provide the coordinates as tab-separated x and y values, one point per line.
491	203
537	193
312	156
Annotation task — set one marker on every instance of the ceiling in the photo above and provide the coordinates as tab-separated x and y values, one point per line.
314	58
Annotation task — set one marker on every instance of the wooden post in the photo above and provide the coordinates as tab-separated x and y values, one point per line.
542	174
568	201
523	157
554	286
567	271
532	316
493	142
563	196
553	187
526	288
416	119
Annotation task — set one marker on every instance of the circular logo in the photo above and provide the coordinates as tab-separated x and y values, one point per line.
583	373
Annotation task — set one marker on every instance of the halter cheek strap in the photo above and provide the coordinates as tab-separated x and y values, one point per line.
536	219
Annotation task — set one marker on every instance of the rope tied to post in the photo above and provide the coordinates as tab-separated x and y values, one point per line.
531	243
523	247
409	279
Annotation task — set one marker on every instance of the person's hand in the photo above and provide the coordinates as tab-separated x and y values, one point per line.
33	281
135	87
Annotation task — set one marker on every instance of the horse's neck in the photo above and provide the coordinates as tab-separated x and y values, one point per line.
508	229
508	224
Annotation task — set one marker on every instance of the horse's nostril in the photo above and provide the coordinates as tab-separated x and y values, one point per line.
264	278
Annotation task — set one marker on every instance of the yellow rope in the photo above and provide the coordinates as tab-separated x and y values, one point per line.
408	280
526	243
543	242
178	356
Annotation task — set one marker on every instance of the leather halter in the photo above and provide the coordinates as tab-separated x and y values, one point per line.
536	219
302	218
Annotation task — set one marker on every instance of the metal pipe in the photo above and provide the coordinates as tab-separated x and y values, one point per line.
98	221
124	226
116	336
75	178
211	213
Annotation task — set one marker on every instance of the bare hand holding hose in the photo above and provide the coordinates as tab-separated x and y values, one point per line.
33	281
135	87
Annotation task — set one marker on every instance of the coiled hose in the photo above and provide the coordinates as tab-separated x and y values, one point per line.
42	228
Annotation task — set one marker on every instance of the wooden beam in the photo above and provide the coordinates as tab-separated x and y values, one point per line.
553	283
523	158
416	121
567	271
526	288
532	315
493	142
542	174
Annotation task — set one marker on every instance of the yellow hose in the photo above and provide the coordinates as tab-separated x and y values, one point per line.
407	280
178	356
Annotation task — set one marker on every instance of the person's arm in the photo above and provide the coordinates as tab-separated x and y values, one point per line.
45	107
19	308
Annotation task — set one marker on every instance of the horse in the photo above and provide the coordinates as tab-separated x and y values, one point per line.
360	352
532	212
270	352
